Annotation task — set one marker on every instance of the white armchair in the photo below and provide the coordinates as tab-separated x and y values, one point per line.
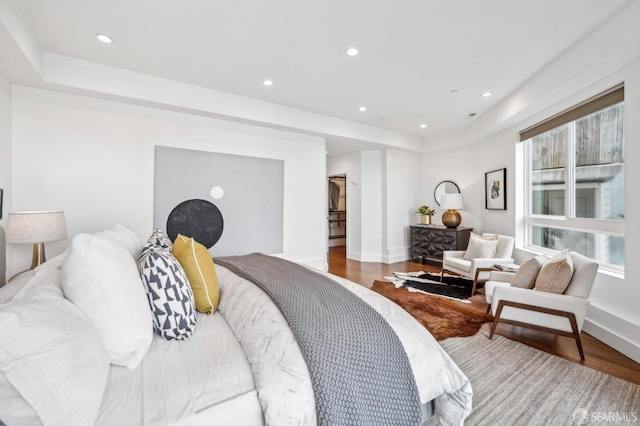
561	314
477	269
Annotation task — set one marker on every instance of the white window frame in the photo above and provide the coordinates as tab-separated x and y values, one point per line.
568	221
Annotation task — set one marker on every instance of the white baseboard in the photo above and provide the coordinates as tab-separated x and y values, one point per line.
600	323
393	256
370	258
396	255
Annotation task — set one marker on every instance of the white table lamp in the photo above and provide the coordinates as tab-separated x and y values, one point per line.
451	202
36	228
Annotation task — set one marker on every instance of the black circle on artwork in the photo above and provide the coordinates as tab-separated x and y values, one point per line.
197	219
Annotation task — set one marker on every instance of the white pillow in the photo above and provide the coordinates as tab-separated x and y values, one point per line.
101	278
555	275
525	276
52	362
56	261
480	248
125	237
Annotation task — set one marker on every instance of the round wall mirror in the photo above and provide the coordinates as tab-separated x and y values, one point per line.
445	187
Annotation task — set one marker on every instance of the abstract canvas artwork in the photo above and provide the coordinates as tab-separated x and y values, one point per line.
247	192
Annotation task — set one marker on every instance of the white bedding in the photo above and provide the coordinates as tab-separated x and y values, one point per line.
48	349
242	366
281	375
178	379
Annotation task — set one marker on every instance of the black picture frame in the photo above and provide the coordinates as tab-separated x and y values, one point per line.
495	190
1	197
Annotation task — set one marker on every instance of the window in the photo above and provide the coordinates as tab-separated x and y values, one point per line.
575	180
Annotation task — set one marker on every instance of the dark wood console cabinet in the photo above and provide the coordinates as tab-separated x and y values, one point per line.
429	241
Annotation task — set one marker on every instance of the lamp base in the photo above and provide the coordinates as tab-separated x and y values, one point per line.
38	255
451	218
38	259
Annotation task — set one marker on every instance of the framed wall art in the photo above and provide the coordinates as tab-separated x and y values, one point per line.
1	196
495	189
246	215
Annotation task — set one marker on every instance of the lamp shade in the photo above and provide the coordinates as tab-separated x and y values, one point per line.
451	201
36	227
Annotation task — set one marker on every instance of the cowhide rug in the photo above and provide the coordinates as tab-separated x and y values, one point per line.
443	317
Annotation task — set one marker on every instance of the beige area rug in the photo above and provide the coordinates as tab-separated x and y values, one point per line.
514	384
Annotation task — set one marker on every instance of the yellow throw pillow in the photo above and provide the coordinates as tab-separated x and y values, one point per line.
198	265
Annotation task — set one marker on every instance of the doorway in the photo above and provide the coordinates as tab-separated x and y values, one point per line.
337	212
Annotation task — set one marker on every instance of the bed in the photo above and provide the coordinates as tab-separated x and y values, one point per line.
241	366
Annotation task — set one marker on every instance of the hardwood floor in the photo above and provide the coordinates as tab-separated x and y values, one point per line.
598	355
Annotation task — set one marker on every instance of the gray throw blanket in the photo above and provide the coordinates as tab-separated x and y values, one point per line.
359	370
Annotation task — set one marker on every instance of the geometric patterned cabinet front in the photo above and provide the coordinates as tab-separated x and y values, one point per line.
429	241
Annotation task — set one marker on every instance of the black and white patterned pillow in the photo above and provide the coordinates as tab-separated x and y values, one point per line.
160	239
169	293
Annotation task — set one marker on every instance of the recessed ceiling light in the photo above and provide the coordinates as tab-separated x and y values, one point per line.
362	109
423	126
454	91
486	94
384	118
352	51
268	83
471	115
104	38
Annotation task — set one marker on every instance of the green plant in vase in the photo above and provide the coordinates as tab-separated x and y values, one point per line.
425	214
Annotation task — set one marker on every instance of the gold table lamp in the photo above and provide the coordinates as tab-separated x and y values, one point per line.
451	217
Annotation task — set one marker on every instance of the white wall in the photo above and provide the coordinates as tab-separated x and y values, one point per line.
5	165
94	159
459	167
402	186
373	212
5	145
467	167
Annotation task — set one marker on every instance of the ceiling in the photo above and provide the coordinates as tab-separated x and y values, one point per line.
412	53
